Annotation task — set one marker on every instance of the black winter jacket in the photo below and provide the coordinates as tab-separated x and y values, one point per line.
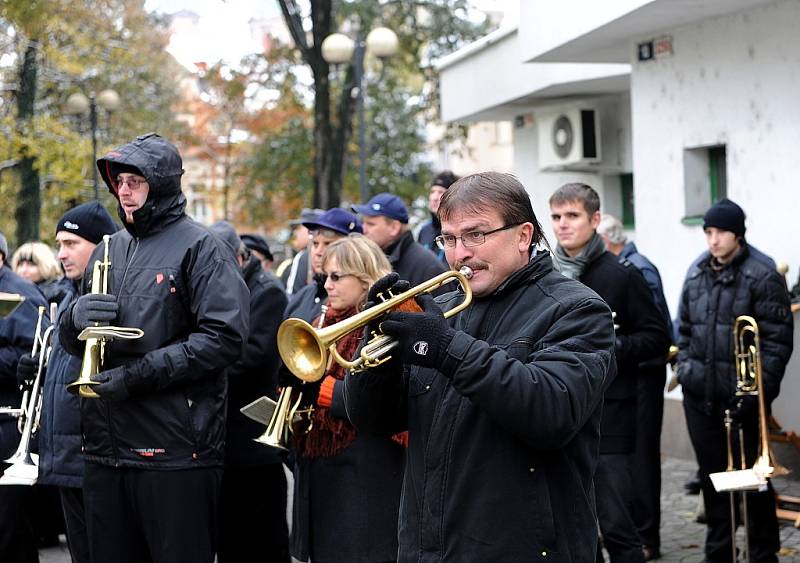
504	436
642	335
255	374
411	261
710	303
174	280
60	455
427	234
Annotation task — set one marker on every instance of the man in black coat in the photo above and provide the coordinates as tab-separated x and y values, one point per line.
154	439
386	224
650	398
730	281
254	481
60	457
640	335
433	228
502	401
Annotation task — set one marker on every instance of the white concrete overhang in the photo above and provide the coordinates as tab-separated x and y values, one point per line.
604	36
487	80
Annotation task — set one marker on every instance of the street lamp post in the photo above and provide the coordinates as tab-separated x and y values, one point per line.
79	105
337	48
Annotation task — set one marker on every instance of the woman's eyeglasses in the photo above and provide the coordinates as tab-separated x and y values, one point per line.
336	277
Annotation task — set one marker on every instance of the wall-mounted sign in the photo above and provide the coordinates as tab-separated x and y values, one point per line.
654	48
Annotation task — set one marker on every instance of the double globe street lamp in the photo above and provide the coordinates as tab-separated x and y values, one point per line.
338	48
79	105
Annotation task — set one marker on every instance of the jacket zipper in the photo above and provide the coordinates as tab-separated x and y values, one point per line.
111	434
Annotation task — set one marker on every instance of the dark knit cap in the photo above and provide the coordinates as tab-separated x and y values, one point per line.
445	179
259	244
725	215
89	221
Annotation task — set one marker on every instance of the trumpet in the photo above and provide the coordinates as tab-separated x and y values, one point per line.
306	351
24	469
97	336
285	413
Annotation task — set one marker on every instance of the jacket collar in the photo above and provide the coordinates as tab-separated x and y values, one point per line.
396	250
540	264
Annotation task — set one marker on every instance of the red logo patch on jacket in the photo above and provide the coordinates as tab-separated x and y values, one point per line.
159	278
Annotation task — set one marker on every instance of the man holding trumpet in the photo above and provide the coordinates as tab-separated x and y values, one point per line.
153	440
728	282
60	457
502	402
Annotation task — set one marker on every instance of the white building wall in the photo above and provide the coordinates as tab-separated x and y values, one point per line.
734	80
615	134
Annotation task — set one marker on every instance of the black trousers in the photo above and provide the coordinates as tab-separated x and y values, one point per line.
75	522
613	491
646	460
707	432
140	516
17	536
252	515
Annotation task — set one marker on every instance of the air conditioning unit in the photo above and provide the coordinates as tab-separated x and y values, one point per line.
569	139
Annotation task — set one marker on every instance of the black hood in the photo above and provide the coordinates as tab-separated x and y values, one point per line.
160	163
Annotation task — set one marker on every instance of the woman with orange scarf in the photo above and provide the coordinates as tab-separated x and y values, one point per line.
346	484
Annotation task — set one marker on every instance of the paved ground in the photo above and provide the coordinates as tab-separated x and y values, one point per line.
681	537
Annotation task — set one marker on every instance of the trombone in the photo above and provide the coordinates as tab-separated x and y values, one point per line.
306	351
749	382
24	469
97	336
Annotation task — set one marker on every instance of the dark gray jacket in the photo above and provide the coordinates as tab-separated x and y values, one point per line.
175	281
411	261
504	437
60	456
710	303
255	374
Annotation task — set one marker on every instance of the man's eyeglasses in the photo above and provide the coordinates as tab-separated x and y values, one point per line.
472	238
336	277
133	183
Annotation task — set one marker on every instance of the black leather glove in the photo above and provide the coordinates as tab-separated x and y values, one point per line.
94	308
112	384
744	408
423	336
26	370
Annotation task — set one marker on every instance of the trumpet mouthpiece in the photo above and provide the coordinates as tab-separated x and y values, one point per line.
466	271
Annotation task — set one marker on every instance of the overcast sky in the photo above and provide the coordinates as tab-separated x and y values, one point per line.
223	31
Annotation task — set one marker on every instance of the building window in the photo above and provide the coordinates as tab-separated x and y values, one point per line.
705	180
626	191
200	210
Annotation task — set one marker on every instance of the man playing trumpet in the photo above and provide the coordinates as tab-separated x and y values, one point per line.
502	402
154	438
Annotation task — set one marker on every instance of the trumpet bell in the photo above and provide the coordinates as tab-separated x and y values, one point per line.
302	349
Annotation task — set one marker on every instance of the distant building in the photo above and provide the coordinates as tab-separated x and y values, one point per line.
663	106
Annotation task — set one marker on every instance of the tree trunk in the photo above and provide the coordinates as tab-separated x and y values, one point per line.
29	203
